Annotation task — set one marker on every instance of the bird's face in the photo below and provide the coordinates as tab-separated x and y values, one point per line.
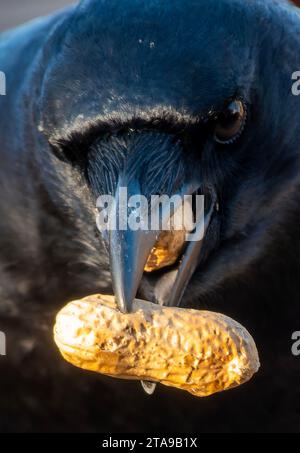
177	97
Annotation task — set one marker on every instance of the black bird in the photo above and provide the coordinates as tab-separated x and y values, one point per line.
164	97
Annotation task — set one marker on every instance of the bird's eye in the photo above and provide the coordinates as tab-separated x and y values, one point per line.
230	122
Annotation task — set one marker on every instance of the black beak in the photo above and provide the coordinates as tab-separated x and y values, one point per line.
129	251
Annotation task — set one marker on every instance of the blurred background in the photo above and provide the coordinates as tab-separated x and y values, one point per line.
15	12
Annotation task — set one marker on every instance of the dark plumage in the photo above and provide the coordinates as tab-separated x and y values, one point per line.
111	87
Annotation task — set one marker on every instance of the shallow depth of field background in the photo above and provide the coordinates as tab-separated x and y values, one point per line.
15	12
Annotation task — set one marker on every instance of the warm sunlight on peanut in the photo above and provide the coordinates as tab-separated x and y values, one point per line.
198	351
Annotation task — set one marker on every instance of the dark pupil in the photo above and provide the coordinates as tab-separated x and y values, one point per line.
231	117
230	121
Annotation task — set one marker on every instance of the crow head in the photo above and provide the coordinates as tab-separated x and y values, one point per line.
175	97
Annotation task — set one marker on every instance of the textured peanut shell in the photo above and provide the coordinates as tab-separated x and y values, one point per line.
198	351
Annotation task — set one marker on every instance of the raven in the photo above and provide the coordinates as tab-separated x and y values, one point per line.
181	96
